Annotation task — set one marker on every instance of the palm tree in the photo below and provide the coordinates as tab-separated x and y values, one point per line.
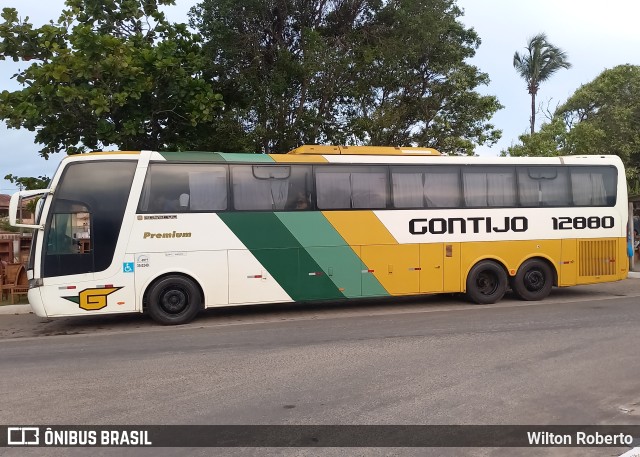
542	61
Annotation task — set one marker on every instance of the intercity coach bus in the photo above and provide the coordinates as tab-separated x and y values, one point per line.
172	233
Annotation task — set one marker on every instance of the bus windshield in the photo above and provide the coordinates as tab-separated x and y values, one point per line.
86	213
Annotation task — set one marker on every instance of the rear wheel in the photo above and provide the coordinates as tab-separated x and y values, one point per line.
533	281
486	283
174	300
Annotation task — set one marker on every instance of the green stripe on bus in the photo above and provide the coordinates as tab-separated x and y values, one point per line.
311	228
336	258
280	253
193	156
246	157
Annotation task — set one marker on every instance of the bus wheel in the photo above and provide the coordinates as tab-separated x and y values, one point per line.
486	283
174	300
533	280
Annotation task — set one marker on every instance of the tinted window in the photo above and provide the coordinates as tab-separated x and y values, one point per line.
86	216
271	187
179	187
489	187
351	187
432	187
593	186
543	186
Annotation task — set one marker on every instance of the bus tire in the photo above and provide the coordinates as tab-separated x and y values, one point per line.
533	281
486	282
174	300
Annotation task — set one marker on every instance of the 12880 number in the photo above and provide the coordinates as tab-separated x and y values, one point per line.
579	223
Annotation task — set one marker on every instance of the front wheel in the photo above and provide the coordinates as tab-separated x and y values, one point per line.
174	300
486	283
533	281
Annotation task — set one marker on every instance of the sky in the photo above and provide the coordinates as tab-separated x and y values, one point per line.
596	35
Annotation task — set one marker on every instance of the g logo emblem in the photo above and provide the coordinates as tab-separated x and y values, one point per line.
93	299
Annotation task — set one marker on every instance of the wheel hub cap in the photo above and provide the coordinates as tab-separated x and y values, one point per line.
174	301
534	280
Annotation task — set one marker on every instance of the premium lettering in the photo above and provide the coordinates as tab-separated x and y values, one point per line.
451	225
173	234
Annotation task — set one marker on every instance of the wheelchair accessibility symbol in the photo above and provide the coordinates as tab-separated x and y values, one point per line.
127	267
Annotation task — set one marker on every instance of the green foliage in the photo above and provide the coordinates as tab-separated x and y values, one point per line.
41	182
107	73
116	73
540	62
549	141
604	115
6	227
298	72
601	117
29	183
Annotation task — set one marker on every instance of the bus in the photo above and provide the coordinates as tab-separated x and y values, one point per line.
172	233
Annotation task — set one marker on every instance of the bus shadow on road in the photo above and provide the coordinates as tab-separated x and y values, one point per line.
274	312
351	305
248	313
407	303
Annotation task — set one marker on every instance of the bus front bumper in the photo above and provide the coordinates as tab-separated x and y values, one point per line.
35	300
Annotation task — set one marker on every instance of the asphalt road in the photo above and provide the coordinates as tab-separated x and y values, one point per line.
571	359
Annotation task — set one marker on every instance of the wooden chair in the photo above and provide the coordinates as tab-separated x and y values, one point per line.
11	274
21	286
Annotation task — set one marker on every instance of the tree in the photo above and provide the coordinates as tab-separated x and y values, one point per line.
601	117
41	182
549	141
347	72
540	62
112	73
25	183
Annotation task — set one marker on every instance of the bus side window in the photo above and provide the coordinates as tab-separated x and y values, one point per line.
184	187
427	187
351	187
485	187
271	187
593	186
543	186
70	232
207	189
60	239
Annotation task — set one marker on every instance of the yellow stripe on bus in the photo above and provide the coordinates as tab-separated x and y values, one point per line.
287	158
101	153
396	267
360	228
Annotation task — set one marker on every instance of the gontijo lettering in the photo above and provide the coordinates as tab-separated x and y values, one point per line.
439	225
173	234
